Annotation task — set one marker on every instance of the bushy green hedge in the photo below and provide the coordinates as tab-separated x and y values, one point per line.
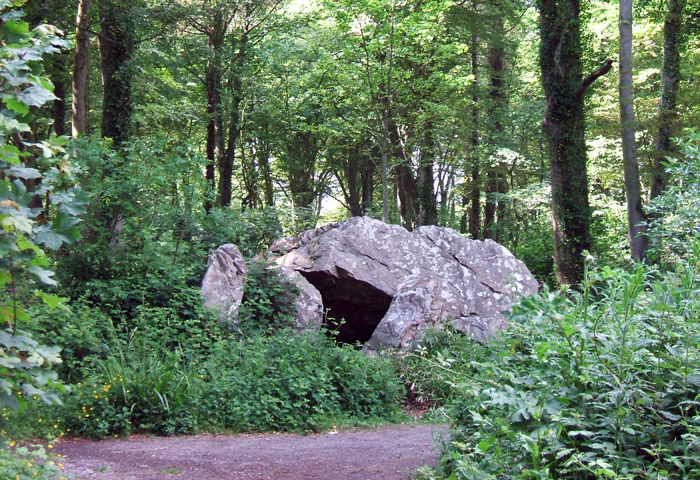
599	384
285	382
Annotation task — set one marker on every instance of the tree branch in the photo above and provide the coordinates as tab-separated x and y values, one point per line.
605	68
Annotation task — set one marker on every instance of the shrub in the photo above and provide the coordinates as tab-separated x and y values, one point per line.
268	301
292	382
142	388
674	214
602	383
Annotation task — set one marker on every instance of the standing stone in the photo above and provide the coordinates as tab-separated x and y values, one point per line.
308	305
222	285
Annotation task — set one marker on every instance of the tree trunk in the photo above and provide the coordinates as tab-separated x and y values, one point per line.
490	205
367	176
351	180
564	127
669	94
426	182
475	190
117	45
235	127
635	215
497	108
81	69
225	165
213	85
59	90
406	185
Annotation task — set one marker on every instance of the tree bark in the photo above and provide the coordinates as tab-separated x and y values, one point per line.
406	185
213	85
564	127
58	110
117	45
235	127
498	104
428	214
490	205
635	214
669	94
81	69
475	190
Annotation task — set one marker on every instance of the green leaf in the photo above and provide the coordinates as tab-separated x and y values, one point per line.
43	275
52	301
21	224
16	106
36	96
26	173
10	154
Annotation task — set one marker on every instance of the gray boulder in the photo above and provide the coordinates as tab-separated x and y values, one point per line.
308	305
222	285
416	306
367	270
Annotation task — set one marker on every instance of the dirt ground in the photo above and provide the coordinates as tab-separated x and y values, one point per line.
388	453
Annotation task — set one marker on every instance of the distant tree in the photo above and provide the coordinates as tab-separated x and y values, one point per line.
635	215
81	69
673	23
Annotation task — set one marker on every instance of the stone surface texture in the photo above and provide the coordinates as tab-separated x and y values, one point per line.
360	264
309	304
222	285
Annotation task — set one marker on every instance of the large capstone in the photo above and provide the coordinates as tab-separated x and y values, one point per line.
366	270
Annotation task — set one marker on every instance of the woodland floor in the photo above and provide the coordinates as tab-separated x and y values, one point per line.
391	452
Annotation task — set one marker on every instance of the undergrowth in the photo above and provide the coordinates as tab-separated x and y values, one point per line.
602	383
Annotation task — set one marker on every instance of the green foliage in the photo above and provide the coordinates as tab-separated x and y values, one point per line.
293	382
140	388
29	171
602	383
674	214
268	301
427	370
29	462
286	382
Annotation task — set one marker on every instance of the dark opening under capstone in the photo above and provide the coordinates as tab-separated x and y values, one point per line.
354	308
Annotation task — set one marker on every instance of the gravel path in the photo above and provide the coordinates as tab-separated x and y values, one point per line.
387	453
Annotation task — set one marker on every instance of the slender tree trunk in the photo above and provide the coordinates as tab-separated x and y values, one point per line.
367	176
499	103
475	191
669	94
490	205
564	127
117	46
635	215
406	185
500	235
213	85
59	105
384	148
426	182
226	161
81	69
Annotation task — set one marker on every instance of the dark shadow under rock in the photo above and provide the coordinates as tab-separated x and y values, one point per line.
354	308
